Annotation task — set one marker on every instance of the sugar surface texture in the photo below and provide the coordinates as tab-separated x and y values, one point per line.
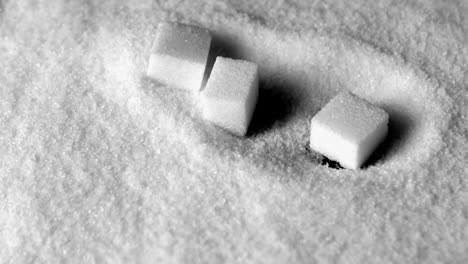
348	129
179	55
230	95
98	164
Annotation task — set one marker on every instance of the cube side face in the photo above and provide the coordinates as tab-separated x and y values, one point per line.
251	102
227	115
333	145
176	72
370	144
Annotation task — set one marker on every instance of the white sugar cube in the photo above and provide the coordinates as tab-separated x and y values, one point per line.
179	55
348	129
230	95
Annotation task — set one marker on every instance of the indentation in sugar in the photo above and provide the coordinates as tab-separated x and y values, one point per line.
348	129
179	55
231	94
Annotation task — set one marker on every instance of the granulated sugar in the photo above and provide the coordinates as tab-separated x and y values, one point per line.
100	164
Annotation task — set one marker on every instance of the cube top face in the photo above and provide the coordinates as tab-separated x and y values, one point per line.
352	117
182	41
231	79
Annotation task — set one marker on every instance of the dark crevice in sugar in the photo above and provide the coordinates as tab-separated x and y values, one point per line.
330	163
321	159
399	131
276	103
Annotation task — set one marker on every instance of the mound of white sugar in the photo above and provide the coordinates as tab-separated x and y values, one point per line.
230	95
348	129
99	164
179	55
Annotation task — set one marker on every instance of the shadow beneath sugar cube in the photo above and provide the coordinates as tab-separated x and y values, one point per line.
321	159
276	100
399	128
276	103
224	46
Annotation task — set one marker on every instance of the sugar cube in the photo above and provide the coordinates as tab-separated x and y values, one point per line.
348	129
179	55
230	95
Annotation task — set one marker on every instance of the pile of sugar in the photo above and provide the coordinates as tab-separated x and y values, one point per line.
99	164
